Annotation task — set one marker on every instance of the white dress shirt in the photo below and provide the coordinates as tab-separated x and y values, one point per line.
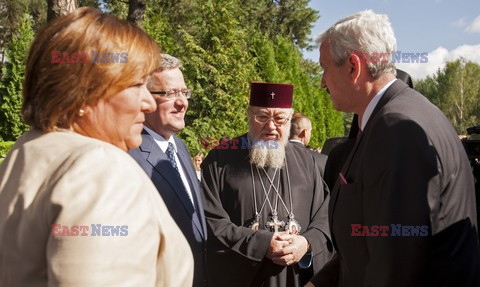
373	103
163	144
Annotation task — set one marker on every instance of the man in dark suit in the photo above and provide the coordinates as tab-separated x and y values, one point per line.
166	160
301	133
339	154
402	212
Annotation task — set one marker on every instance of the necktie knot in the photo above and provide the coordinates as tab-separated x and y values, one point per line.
170	148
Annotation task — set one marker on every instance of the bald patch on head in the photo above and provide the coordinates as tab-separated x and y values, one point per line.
299	123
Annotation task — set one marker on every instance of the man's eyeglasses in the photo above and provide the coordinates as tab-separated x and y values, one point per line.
277	121
173	94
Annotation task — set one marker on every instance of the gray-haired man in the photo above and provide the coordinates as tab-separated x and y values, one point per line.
165	158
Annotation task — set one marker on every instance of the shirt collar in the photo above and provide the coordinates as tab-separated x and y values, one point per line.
161	141
295	141
373	103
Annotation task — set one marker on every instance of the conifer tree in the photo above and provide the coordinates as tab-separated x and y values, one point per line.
11	123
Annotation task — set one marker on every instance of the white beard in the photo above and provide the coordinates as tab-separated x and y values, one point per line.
268	154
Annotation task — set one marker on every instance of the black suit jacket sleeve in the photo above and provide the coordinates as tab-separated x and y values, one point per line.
400	167
328	276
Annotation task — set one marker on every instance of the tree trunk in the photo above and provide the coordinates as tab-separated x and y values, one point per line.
58	8
136	10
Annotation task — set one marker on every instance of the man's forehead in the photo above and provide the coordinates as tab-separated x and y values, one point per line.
269	110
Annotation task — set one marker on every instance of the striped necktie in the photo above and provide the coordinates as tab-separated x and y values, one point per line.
171	158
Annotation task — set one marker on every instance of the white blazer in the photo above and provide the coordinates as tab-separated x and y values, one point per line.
67	179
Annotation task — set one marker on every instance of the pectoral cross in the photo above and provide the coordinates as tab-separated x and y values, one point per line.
273	95
274	224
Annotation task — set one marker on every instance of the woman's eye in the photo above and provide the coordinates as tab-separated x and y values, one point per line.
139	84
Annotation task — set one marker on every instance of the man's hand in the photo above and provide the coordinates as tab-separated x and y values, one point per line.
276	244
293	252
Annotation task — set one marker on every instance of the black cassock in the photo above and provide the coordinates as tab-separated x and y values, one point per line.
235	252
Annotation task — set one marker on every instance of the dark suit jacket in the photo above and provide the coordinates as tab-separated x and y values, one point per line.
339	154
336	159
191	221
320	159
409	168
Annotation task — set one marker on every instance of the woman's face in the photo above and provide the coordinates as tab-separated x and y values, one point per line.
118	119
198	162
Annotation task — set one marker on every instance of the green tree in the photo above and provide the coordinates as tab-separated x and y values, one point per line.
456	91
217	66
56	8
11	12
118	8
287	18
161	28
38	10
225	45
11	122
90	3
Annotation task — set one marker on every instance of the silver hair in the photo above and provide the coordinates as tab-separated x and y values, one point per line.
364	32
167	63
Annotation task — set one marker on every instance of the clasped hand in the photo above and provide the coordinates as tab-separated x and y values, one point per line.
286	249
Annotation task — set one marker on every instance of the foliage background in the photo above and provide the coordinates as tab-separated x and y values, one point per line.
225	45
456	91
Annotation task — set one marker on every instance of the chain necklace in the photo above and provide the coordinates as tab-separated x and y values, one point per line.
274	224
255	225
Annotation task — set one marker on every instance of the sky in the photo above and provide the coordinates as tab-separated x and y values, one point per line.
445	29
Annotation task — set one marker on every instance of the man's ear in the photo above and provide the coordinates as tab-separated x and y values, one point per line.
355	63
303	134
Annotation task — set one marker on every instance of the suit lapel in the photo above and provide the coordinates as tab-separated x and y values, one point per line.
185	161
390	93
336	187
158	159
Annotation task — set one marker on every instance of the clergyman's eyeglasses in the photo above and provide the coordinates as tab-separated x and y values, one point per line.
277	121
